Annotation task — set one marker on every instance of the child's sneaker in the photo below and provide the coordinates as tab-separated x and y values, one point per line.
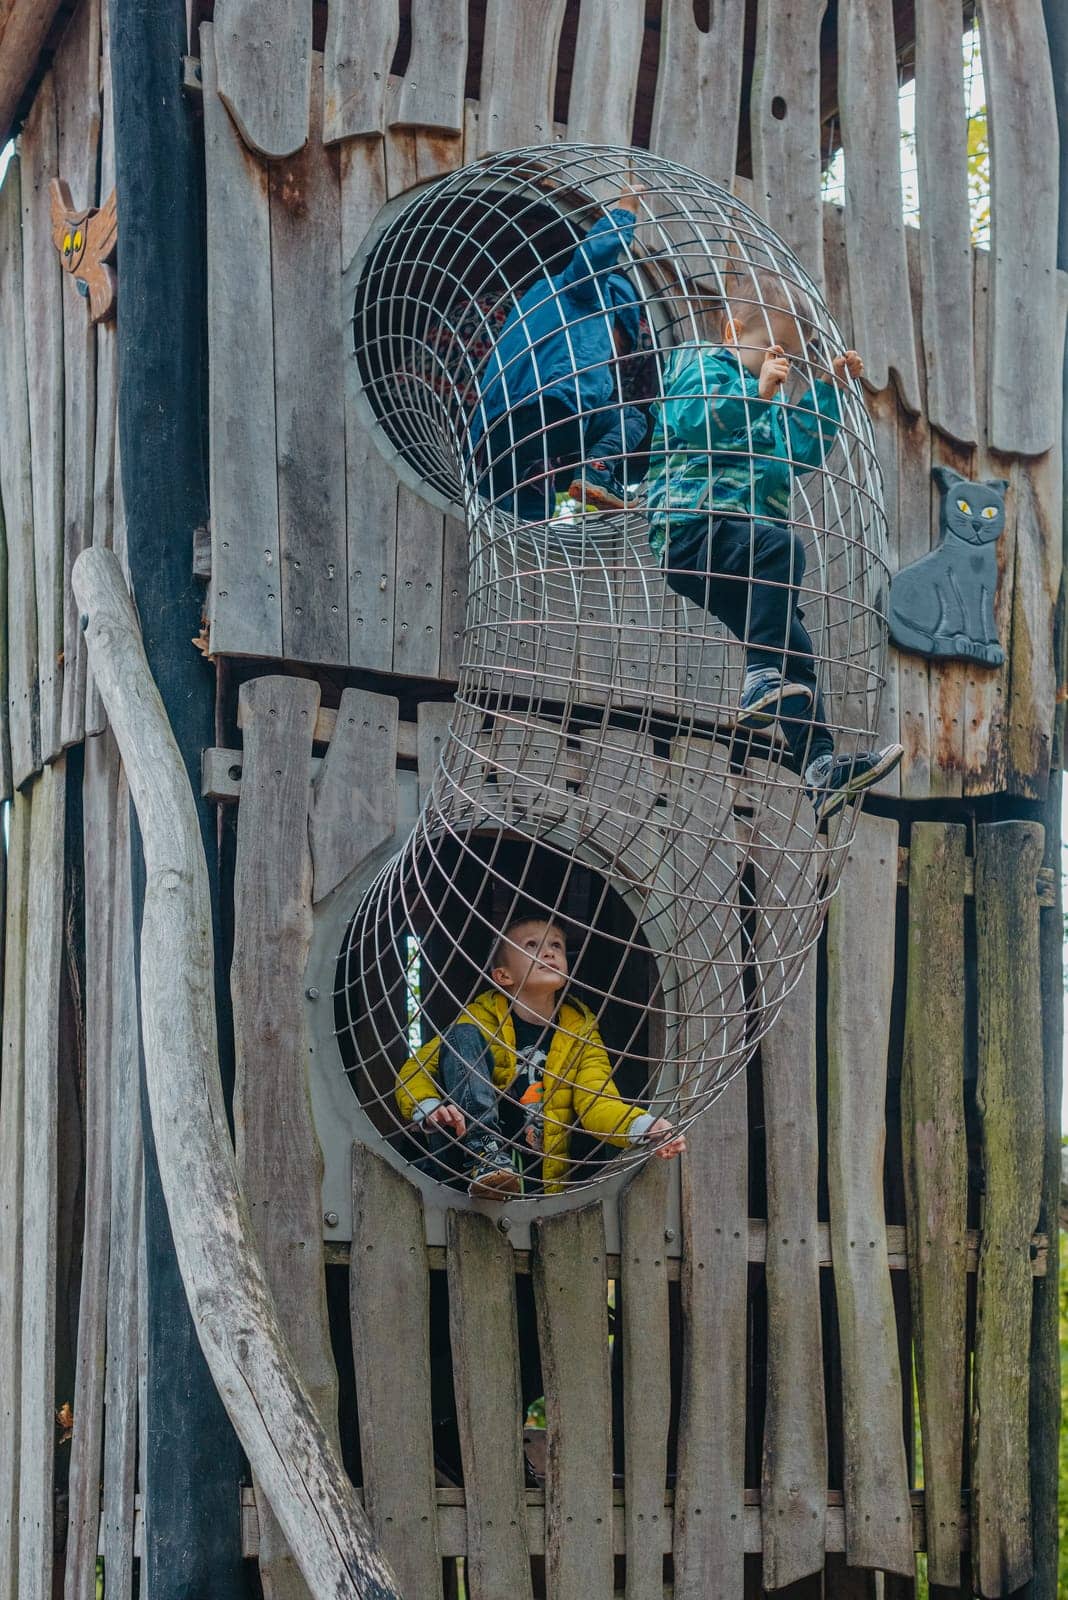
599	488
831	781
491	1175
763	695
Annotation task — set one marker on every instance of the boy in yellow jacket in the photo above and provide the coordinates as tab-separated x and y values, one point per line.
519	1058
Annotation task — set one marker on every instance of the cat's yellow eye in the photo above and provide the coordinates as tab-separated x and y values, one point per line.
962	505
78	240
989	512
66	245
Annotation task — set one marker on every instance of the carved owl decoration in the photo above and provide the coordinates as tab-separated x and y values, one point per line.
86	241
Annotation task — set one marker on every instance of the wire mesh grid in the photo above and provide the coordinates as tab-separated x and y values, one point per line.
614	879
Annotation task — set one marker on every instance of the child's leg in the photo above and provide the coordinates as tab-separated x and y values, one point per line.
610	444
465	1072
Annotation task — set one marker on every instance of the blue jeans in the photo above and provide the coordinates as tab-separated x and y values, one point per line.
465	1076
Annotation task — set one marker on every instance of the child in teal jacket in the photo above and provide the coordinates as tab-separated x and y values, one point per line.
722	462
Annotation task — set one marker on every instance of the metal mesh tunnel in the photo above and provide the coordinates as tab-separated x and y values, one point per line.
523	332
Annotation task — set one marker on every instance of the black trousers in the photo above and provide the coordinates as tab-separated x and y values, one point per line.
747	573
521	479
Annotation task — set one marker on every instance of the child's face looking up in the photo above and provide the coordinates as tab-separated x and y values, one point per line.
532	962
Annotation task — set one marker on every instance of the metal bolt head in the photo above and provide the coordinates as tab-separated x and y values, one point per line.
504	1223
313	994
669	1234
330	1218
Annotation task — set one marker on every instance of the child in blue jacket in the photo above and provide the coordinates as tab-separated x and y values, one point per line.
551	392
722	460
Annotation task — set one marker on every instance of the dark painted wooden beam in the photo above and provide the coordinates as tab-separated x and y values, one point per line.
193	1468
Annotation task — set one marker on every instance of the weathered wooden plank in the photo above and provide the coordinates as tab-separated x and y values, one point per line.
518	74
44	940
360	41
5	713
245	604
454	581
11	1181
16	489
24	26
914	495
1024	375
489	1407
417	611
875	231
785	123
604	74
121	1373
43	316
354	797
431	94
389	1303
945	220
646	1338
698	85
263	49
99	824
571	1293
279	1160
309	398
860	958
936	1173
77	74
948	680
432	730
1011	1110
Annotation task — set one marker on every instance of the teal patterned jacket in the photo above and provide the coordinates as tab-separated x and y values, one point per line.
717	446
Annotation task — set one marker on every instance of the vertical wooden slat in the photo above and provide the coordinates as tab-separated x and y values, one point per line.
604	75
875	230
99	799
571	1293
354	800
389	1303
860	958
264	62
432	91
518	73
44	931
785	121
936	1174
1008	855
885	415
43	314
417	613
454	580
914	512
77	75
1025	362
361	36
279	1160
698	84
12	1089
17	490
5	702
309	403
646	1336
489	1407
945	220
245	594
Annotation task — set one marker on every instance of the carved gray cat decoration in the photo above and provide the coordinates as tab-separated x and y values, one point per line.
943	604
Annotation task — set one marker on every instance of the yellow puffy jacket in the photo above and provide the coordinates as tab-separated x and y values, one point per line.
578	1078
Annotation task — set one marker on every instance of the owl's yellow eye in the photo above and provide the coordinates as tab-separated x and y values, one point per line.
66	244
962	505
989	512
78	240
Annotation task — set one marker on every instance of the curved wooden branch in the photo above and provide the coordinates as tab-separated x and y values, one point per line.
232	1306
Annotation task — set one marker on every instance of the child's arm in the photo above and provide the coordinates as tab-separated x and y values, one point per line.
418	1096
707	406
813	424
597	254
601	1109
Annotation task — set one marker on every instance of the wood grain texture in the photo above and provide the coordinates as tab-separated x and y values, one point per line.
454	582
417	611
354	800
431	93
16	489
698	84
569	1267
263	48
784	120
99	800
875	231
518	74
389	1304
936	1174
945	220
279	1161
233	1309
1024	375
43	315
915	497
12	1089
489	1406
77	76
44	953
604	73
24	26
860	963
309	397
646	1339
245	604
1011	1109
361	37
107	371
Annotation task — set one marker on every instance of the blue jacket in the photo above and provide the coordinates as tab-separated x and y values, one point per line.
558	340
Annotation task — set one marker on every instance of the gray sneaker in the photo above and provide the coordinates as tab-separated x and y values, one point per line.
765	695
491	1175
831	781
